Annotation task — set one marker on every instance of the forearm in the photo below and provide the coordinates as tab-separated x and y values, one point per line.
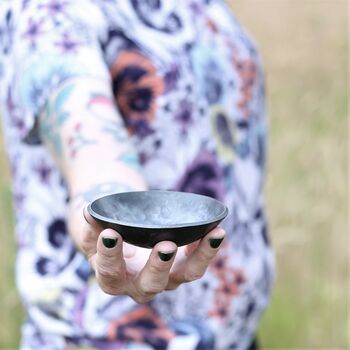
86	136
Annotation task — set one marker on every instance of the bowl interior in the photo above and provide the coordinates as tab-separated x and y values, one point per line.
158	209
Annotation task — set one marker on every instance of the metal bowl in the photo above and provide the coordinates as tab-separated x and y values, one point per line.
147	217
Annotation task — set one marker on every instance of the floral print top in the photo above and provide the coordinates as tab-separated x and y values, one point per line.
188	83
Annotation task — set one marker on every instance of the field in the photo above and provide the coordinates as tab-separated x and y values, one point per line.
304	44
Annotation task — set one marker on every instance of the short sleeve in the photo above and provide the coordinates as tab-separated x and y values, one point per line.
53	41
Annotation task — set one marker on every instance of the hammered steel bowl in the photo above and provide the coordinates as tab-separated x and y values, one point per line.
147	217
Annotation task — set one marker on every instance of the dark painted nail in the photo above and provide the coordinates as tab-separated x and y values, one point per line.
165	256
109	242
215	242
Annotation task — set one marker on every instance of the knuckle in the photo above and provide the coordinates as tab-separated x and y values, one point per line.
142	299
193	275
172	286
205	255
150	289
85	244
156	269
108	273
108	288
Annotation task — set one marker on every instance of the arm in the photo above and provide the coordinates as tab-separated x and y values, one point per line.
85	134
81	127
79	124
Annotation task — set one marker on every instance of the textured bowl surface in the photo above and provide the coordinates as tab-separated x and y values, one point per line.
147	217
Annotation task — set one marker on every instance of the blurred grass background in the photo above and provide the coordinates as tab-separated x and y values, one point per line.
304	44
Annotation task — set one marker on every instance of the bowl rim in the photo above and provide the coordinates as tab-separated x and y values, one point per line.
216	218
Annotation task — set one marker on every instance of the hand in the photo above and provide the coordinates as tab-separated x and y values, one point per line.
122	269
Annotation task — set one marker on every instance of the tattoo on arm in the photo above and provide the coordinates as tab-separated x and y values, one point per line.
130	158
113	127
77	140
97	98
81	121
54	117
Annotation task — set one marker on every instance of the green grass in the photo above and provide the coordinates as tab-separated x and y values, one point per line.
304	47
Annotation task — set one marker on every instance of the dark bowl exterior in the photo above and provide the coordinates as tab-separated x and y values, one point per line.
149	237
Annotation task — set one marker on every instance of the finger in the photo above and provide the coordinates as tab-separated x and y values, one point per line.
109	263
90	220
197	262
89	235
154	276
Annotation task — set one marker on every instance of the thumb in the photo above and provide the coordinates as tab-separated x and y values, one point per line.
90	220
88	234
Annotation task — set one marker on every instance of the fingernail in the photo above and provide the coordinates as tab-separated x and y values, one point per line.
109	242
215	242
165	256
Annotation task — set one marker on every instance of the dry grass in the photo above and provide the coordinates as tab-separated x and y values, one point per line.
304	46
305	50
10	307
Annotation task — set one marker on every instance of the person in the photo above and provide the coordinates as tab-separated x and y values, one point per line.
105	96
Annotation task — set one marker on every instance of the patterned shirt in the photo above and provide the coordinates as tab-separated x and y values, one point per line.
188	83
